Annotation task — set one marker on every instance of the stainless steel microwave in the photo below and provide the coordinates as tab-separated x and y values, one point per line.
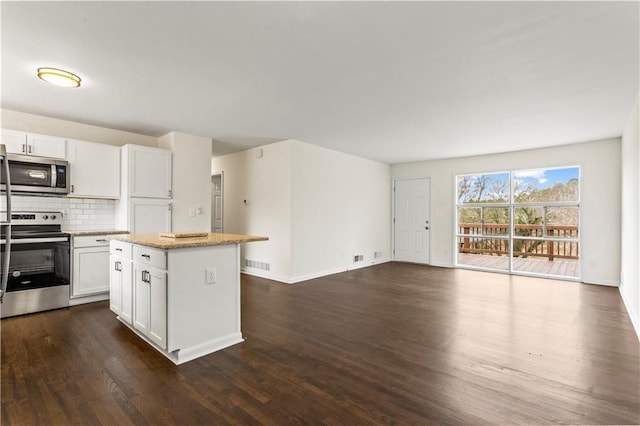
36	175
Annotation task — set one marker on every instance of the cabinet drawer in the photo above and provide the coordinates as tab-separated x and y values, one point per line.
90	241
150	256
121	249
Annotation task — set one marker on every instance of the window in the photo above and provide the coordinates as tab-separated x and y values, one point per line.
523	221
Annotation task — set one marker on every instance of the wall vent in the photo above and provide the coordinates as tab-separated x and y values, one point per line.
377	254
358	258
264	266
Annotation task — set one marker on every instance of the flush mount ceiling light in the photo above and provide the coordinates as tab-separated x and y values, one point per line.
59	77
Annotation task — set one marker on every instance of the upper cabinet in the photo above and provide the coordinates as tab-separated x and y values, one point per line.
146	172
95	169
34	144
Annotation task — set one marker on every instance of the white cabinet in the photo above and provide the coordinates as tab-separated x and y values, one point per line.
90	266
148	171
139	289
121	288
95	169
15	141
34	144
145	202
177	308
46	146
149	215
150	303
120	279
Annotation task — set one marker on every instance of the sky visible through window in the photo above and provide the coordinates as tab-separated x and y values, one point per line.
545	178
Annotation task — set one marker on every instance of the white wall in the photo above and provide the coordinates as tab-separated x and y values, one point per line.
191	181
600	199
15	120
340	208
318	207
265	184
630	268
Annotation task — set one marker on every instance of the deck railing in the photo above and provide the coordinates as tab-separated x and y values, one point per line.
475	239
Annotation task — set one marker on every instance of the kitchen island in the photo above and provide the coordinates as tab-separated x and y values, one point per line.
182	294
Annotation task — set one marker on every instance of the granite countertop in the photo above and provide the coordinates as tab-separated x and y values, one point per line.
211	239
95	232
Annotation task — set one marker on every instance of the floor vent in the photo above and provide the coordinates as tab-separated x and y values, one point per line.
264	266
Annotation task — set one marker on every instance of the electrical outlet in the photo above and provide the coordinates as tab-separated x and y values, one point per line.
192	212
211	275
199	210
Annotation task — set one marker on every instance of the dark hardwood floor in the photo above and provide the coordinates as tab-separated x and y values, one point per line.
394	343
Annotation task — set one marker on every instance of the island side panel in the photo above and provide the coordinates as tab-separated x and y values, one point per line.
201	313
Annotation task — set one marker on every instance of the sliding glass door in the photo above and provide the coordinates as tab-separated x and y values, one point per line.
524	221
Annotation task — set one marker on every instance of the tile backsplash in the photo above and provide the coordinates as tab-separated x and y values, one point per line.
79	214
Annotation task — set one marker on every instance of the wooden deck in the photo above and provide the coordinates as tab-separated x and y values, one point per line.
560	268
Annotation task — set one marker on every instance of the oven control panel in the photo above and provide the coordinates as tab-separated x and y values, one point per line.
36	218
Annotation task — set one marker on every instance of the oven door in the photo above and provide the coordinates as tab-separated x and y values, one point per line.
38	263
39	275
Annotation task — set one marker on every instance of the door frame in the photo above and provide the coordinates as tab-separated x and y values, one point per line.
393	215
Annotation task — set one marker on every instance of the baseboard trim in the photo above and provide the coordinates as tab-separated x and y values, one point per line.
187	354
265	275
301	278
635	321
599	282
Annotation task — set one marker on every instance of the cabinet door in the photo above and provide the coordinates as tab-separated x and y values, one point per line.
158	307
149	172
46	146
15	141
90	271
95	169
147	216
115	284
121	289
150	303
141	299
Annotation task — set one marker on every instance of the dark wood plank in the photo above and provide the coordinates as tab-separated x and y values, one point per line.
394	343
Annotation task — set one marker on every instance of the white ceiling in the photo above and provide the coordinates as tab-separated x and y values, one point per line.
390	81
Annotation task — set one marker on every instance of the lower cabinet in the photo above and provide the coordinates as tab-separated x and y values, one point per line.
121	288
184	301
90	277
150	303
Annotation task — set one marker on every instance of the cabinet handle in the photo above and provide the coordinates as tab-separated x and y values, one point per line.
148	257
118	266
118	249
30	149
146	277
24	147
73	188
102	240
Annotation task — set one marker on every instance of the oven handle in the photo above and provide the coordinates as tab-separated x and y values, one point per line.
7	259
37	240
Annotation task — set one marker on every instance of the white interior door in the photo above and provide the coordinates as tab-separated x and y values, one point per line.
216	199
411	220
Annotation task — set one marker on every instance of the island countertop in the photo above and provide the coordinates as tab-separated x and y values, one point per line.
211	239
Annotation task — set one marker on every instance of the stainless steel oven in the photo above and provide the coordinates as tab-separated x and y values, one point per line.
39	263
